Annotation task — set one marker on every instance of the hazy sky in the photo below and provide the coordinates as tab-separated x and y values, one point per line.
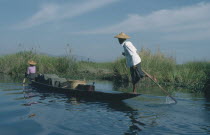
179	28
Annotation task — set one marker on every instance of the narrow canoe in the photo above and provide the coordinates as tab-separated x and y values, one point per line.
84	94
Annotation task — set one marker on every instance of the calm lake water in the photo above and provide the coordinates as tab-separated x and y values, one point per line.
27	112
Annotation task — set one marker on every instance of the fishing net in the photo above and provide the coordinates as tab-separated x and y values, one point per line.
169	100
51	79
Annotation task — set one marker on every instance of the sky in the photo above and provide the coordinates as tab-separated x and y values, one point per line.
178	28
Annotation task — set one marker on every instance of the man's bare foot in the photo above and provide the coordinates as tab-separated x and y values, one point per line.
134	92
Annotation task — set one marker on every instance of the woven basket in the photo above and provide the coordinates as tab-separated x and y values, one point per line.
75	83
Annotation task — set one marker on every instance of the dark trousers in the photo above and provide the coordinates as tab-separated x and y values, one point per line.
31	76
136	73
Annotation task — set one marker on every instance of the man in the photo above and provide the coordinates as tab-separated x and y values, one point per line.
132	58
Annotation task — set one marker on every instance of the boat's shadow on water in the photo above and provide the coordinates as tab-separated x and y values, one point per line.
134	127
133	115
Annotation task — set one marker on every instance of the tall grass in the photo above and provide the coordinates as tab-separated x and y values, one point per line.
154	64
191	75
16	64
66	66
94	70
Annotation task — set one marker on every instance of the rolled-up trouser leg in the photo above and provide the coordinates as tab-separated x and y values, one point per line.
136	73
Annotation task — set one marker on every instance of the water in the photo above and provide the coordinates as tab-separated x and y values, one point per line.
25	111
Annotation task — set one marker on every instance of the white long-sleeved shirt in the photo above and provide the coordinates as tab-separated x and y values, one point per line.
132	57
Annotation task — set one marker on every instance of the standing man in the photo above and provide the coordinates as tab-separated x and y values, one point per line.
132	58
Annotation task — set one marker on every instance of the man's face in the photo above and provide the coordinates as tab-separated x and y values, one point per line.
121	40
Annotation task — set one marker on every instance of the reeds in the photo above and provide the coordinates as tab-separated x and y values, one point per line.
95	70
16	64
66	66
192	75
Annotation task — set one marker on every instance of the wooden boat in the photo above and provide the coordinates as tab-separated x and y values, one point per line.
83	94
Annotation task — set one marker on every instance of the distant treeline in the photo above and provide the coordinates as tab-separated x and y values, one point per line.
192	75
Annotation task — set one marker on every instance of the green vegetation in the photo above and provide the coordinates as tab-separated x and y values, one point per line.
156	64
66	66
192	75
16	64
93	70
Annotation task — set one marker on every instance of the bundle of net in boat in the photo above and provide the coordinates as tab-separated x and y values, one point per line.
51	79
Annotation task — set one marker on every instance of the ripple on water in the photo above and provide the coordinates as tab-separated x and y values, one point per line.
59	114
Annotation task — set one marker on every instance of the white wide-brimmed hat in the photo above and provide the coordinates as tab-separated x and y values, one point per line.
122	35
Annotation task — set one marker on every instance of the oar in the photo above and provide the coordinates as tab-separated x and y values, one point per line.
159	85
24	80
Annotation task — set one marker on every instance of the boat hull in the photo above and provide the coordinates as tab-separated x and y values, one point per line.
83	94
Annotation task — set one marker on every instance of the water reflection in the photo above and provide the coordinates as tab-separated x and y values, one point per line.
142	87
133	114
134	127
50	113
117	85
207	97
207	104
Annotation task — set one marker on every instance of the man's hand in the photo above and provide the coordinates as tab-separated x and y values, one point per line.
134	67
